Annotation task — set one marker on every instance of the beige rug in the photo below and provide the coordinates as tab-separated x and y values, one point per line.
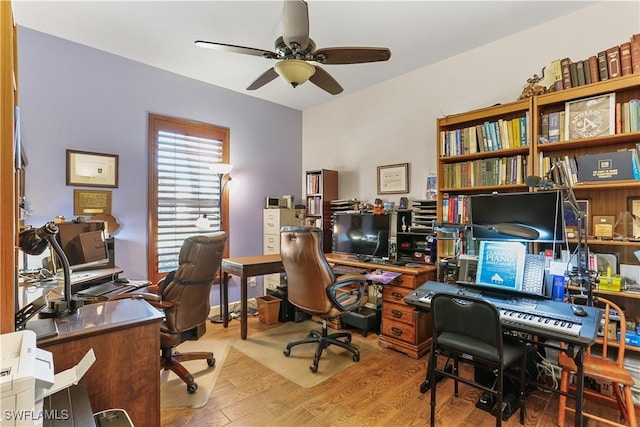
266	347
173	391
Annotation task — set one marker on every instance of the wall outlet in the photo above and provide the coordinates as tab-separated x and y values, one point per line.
252	282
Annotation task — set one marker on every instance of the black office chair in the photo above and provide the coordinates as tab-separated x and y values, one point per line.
469	328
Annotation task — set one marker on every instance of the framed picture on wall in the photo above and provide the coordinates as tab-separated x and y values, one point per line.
393	179
92	169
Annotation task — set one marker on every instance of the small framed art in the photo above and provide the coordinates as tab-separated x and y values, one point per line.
393	179
92	169
590	117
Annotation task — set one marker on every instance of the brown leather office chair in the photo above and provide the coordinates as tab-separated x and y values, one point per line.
600	367
312	286
185	301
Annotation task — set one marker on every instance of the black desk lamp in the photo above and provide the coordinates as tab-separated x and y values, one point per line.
581	275
34	241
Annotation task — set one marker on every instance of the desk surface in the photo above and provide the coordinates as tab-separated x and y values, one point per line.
125	337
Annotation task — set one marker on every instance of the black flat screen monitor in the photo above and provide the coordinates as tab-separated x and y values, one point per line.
361	234
532	216
84	244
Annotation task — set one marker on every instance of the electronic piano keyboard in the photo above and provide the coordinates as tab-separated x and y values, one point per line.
542	317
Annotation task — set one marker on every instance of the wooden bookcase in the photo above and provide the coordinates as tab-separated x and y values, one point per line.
610	198
322	188
9	186
462	172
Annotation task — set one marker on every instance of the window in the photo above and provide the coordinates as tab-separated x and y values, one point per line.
182	186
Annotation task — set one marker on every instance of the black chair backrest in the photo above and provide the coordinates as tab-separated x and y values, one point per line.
189	288
467	317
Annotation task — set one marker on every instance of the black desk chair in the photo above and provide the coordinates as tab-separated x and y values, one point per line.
469	329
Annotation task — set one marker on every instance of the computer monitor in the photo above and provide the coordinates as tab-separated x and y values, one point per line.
84	244
532	216
363	235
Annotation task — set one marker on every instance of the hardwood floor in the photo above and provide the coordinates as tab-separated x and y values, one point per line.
382	390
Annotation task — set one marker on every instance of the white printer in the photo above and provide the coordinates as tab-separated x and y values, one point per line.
26	377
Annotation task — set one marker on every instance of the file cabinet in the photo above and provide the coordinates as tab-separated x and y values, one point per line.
272	220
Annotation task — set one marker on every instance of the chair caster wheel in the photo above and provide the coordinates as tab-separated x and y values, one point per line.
314	368
191	388
211	362
356	358
287	352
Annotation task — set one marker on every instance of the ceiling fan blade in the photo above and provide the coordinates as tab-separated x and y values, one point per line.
351	55
265	78
324	81
295	23
237	49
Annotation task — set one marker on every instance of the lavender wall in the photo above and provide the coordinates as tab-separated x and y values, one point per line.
75	97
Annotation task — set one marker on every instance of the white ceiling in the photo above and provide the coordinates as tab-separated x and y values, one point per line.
161	34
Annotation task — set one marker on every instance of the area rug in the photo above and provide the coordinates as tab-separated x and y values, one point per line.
266	347
173	391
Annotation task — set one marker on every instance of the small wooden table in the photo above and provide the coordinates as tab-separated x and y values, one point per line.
125	337
245	267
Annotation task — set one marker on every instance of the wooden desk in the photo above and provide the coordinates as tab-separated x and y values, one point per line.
245	267
402	329
125	336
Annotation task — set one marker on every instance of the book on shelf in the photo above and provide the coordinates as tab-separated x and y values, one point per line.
594	72
613	62
635	53
580	73
573	72
554	126
602	65
543	138
611	166
587	72
565	64
625	59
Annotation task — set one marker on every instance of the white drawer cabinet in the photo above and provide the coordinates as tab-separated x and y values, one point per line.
272	220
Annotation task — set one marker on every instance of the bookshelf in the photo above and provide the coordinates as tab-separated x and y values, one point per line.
322	188
605	198
481	151
10	178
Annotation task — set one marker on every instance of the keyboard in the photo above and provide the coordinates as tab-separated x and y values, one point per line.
347	269
82	277
103	288
533	276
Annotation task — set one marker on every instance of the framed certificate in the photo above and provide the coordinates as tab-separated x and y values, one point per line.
393	179
92	169
590	117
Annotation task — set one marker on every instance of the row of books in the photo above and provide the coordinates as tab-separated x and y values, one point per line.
314	205
455	208
485	172
613	62
553	126
488	136
313	183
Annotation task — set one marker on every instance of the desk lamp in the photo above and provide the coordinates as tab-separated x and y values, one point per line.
34	241
582	276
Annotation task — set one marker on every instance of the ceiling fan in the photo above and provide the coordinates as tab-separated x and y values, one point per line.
294	51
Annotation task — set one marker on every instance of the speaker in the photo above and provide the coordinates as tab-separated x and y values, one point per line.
468	264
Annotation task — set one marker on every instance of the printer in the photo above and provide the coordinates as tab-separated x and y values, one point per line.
27	377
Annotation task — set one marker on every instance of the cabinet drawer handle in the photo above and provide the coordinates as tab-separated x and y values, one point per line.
396	331
396	313
397	295
398	280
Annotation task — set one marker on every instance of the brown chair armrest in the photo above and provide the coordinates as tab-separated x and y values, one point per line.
345	287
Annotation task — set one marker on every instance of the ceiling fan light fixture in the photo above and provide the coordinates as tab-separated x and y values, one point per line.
294	71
